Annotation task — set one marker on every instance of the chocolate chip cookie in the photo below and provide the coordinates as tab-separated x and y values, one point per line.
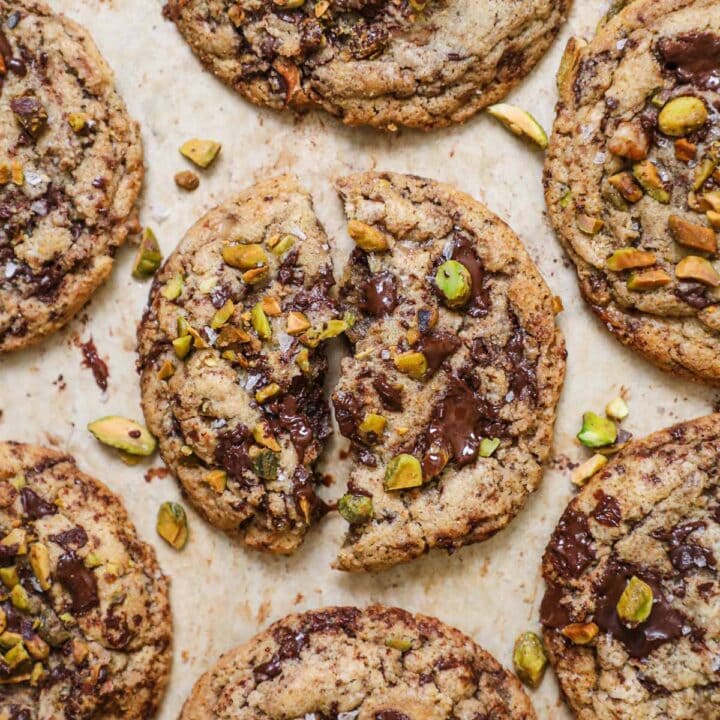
232	363
420	63
632	607
449	398
85	625
70	171
381	663
632	179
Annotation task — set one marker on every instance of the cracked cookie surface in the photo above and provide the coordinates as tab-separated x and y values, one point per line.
232	363
381	663
632	182
70	171
452	399
84	616
653	514
372	62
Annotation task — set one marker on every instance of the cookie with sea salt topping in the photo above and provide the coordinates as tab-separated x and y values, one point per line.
232	364
632	181
632	607
450	395
85	625
420	63
374	664
71	168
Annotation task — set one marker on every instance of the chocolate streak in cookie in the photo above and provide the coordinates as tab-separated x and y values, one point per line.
449	404
632	181
84	618
232	364
70	171
651	515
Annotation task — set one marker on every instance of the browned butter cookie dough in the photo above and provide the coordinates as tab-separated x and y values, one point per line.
70	171
232	363
632	608
450	395
345	663
633	182
85	625
420	63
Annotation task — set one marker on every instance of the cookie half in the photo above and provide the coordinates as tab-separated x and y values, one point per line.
86	625
371	62
376	663
71	169
632	605
450	395
631	178
232	365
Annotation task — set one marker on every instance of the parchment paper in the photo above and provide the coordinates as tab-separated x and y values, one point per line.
222	594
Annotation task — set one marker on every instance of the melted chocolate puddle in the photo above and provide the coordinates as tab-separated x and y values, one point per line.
380	294
694	57
571	547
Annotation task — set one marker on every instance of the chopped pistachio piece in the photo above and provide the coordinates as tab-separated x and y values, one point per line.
17	173
297	323
403	471
302	360
19	598
123	434
704	170
40	564
589	225
172	524
372	427
625	184
697	268
222	316
630	141
17	536
488	446
367	237
529	659
520	123
271	306
454	282
78	121
355	509
37	674
10	639
200	152
399	642
597	431
17	655
284	243
628	258
413	364
173	288
18	481
682	115
263	436
37	647
267	392
187	180
330	329
255	276
648	280
217	480
582	473
182	345
9	577
648	176
260	322
148	257
581	633
685	150
692	235
231	335
166	371
635	603
244	257
617	409
265	465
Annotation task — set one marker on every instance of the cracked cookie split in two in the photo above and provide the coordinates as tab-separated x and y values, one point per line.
71	169
632	607
85	625
384	63
379	663
632	181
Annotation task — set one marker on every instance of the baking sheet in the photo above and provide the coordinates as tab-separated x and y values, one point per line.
222	594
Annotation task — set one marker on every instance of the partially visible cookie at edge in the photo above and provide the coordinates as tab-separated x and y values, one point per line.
450	395
71	168
232	363
372	62
379	663
631	613
84	606
631	179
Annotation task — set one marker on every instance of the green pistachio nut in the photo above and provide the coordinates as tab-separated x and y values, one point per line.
454	282
355	509
635	604
597	431
172	525
148	257
529	659
403	471
123	434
